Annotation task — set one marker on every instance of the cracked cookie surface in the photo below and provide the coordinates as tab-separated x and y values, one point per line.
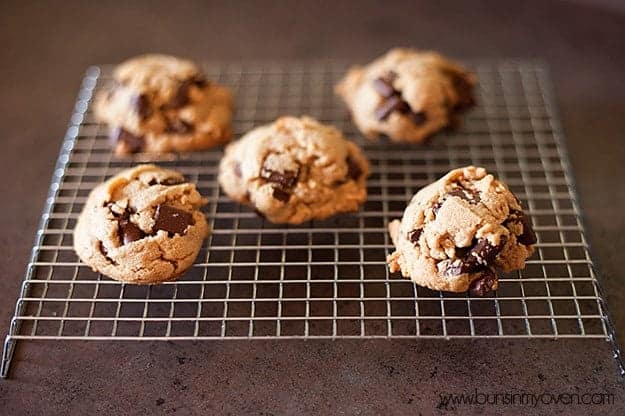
407	95
161	104
295	170
458	231
143	225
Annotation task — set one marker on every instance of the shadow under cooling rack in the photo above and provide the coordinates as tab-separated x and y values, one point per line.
323	279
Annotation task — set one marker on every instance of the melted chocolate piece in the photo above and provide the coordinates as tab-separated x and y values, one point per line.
129	232
414	235
172	220
179	126
393	100
132	142
384	87
466	194
199	80
391	76
281	195
286	179
353	169
457	192
461	252
105	253
462	193
181	97
484	284
419	117
393	103
478	257
528	237
172	181
141	104
167	181
404	108
483	253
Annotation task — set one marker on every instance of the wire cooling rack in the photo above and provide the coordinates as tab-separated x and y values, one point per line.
323	279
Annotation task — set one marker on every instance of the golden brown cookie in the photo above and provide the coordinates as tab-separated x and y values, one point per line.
407	95
161	104
143	225
456	232
295	170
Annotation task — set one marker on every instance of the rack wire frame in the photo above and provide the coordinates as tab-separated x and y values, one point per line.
323	279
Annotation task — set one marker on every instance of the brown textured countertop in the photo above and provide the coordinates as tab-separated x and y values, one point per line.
47	46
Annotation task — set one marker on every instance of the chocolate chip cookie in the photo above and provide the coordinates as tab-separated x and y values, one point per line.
143	225
407	95
457	231
295	170
161	104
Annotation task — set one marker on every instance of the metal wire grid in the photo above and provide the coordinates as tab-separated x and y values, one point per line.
323	279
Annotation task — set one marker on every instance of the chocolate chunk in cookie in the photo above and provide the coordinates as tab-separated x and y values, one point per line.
384	85
179	126
392	97
281	195
132	142
199	80
479	256
180	97
354	171
418	117
104	252
485	284
141	104
468	195
528	236
286	179
129	232
172	220
414	235
393	103
483	253
167	181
